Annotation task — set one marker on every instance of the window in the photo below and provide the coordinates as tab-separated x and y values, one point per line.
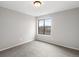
44	26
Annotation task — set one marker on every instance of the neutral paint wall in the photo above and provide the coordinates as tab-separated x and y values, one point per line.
65	29
15	28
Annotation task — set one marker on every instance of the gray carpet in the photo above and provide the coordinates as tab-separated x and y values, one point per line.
39	49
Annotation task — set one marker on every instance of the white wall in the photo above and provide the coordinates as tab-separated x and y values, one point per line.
15	28
65	29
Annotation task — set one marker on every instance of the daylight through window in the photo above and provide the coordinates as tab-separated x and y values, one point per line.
44	26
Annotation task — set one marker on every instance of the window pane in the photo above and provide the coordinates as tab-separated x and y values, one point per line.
41	23
48	22
44	26
48	26
41	27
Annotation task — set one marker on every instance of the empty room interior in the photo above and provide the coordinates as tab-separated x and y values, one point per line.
39	28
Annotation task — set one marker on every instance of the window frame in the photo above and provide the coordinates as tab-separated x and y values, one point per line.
44	27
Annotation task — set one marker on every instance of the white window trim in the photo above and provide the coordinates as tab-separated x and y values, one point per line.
37	26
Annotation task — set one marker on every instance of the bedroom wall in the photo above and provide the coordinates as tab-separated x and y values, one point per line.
15	28
65	29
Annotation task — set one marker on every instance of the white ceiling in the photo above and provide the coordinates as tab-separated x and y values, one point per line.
47	6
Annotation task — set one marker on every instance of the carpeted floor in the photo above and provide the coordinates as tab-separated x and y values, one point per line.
39	49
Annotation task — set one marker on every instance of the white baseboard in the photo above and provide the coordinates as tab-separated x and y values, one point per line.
59	45
15	45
